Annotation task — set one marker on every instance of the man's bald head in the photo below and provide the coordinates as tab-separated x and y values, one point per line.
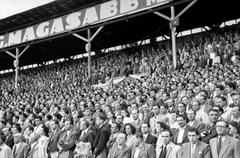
121	139
18	138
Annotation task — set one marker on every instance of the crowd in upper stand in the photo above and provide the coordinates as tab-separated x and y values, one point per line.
192	111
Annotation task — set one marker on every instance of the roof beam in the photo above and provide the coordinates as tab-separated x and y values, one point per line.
23	51
11	54
162	15
179	14
96	33
80	37
186	8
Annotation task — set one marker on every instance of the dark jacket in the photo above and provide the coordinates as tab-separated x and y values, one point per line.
67	143
53	140
185	135
151	140
88	137
210	132
101	139
9	141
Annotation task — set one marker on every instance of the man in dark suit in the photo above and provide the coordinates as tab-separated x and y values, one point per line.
92	126
226	57
9	137
194	148
210	129
224	146
120	149
180	134
19	147
102	137
2	125
141	149
136	120
67	140
119	120
86	135
53	139
76	121
148	138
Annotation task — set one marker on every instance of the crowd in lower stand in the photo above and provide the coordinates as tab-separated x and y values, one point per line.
192	111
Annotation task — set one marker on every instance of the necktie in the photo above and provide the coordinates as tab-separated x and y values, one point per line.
163	152
155	123
52	134
136	123
192	150
66	136
14	149
144	116
83	135
219	145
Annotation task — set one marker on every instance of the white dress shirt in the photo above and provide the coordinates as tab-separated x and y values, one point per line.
145	136
202	116
126	120
223	138
167	147
226	113
190	123
83	132
180	134
120	147
193	146
137	152
174	125
17	145
33	144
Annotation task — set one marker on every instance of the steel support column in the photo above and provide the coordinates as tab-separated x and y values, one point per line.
16	68
88	45
174	22
173	31
16	63
89	53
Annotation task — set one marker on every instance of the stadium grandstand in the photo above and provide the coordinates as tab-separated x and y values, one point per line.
120	78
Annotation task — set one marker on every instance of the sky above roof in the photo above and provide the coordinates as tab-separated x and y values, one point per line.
12	7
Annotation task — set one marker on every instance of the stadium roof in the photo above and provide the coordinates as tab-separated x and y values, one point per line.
127	30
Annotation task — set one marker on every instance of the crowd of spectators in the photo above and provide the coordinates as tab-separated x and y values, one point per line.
56	108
